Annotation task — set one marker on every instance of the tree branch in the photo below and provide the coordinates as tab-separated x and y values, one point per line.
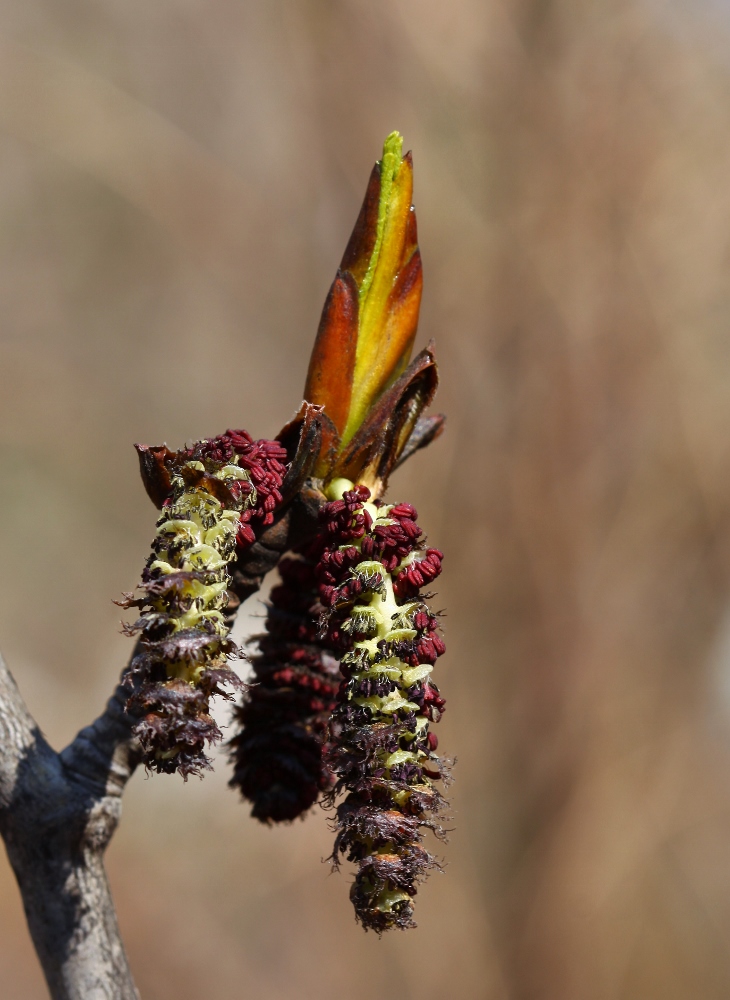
16	733
57	815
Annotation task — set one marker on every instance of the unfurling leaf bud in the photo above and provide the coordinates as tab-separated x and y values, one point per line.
371	314
371	402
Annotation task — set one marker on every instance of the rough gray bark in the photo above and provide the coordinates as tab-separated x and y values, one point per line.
58	812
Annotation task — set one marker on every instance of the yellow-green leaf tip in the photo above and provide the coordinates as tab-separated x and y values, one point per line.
389	167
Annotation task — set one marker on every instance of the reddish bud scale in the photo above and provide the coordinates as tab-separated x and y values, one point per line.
277	754
370	571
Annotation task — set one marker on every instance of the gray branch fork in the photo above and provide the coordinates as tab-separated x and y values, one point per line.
58	812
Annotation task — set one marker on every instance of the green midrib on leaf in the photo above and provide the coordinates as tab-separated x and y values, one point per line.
389	167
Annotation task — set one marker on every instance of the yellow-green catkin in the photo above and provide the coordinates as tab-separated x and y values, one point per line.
184	634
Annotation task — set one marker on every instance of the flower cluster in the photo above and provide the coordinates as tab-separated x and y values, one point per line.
342	698
371	568
263	461
277	754
218	491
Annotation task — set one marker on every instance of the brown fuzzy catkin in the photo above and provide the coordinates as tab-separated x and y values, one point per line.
277	752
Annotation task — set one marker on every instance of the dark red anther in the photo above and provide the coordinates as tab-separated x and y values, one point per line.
411	529
426	651
404	510
245	536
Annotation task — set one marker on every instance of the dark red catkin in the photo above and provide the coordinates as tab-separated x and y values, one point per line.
277	754
220	491
370	573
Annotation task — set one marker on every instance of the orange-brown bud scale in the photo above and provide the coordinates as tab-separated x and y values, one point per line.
333	359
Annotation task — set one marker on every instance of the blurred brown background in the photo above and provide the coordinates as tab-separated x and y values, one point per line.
177	183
